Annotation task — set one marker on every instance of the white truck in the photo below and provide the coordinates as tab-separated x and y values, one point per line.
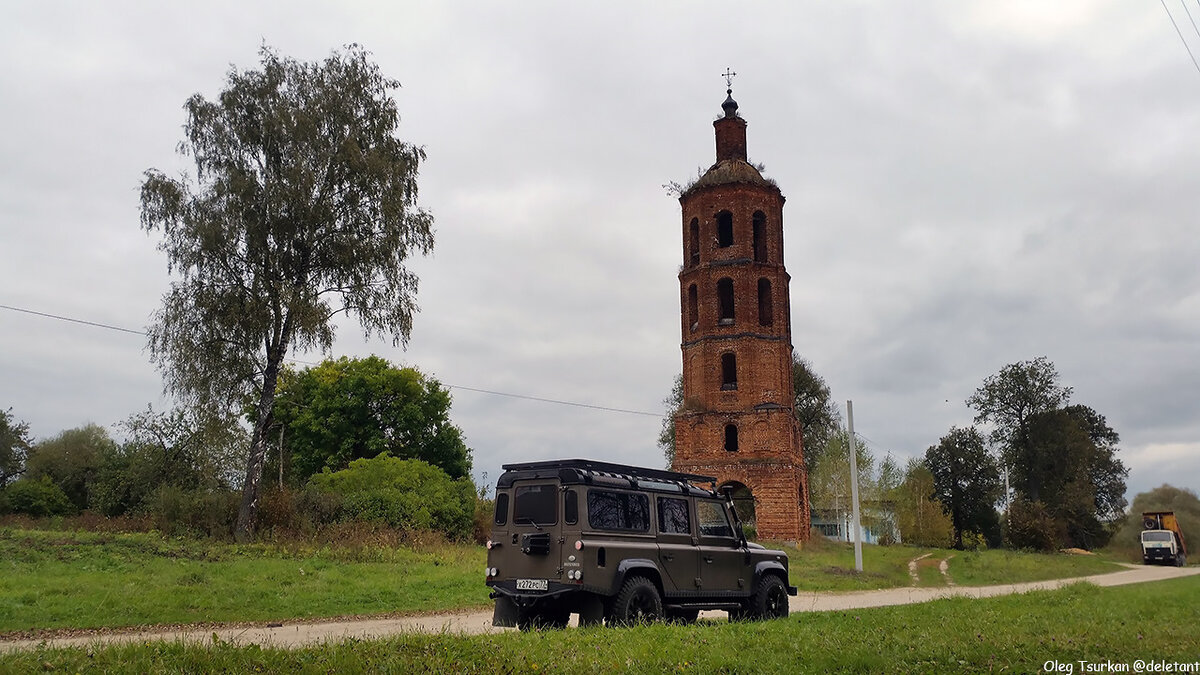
1162	540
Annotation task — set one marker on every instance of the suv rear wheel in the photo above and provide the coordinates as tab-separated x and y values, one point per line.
637	602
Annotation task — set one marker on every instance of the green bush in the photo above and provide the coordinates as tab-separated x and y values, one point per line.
974	541
407	494
71	460
36	497
485	510
1030	526
206	512
302	511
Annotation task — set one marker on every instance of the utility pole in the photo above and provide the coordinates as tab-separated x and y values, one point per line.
854	488
281	457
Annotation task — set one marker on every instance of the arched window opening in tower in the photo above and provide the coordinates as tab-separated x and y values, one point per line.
724	229
760	237
725	302
766	309
728	372
731	438
694	242
693	308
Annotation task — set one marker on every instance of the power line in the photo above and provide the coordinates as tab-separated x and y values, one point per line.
551	400
309	363
1189	15
67	318
1180	34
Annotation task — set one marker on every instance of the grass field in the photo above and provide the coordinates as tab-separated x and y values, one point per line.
828	566
1155	622
58	580
54	580
985	568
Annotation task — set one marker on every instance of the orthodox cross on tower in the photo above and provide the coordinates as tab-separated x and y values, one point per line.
729	75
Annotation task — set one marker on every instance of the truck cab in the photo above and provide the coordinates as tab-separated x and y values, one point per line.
1162	539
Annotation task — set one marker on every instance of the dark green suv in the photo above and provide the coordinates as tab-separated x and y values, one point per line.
623	544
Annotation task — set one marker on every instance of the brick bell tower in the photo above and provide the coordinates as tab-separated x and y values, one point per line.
737	420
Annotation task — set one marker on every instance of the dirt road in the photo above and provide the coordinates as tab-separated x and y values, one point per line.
301	634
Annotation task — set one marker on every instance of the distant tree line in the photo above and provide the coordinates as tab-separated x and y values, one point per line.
362	441
1067	484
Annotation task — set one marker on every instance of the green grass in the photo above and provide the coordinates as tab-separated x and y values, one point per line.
57	580
829	566
985	568
1016	633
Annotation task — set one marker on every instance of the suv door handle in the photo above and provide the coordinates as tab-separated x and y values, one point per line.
668	557
708	558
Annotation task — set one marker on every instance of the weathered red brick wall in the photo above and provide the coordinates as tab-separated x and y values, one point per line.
769	461
731	138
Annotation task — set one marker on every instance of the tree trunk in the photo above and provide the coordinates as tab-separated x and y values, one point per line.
248	512
956	521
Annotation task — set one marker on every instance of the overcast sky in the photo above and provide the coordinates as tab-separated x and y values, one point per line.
968	184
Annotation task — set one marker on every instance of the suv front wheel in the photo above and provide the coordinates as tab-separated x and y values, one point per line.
771	600
637	602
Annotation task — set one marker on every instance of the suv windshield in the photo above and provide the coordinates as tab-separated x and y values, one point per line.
713	520
536	504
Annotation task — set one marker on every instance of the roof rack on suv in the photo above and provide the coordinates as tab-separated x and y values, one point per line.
636	472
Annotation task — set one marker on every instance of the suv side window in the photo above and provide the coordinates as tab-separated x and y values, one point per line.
609	510
571	507
502	508
673	517
714	522
536	504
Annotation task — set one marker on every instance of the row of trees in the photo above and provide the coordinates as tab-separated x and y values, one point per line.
895	499
1067	485
85	469
376	437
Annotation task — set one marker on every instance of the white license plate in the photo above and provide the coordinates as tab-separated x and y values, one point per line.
532	584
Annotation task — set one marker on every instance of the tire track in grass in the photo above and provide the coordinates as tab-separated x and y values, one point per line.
944	568
912	568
